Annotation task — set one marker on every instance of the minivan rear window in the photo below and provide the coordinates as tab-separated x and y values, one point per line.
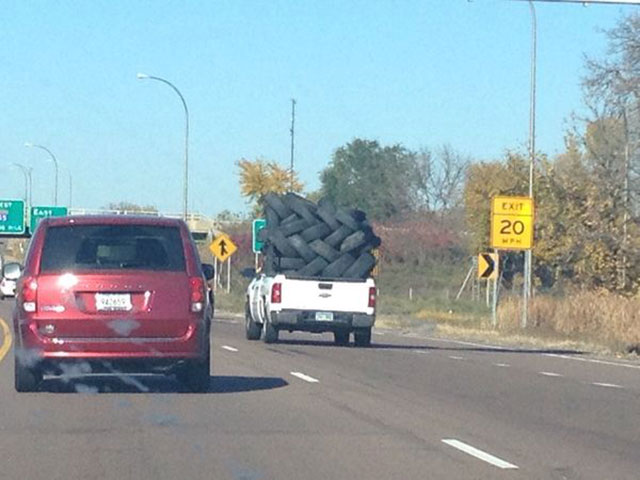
112	247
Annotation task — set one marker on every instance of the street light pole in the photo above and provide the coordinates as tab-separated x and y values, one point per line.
27	181
528	254
55	162
292	130
185	201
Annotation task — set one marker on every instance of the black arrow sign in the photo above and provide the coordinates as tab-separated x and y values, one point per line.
223	248
491	266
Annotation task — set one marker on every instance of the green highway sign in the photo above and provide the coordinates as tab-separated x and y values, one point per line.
258	224
38	213
12	221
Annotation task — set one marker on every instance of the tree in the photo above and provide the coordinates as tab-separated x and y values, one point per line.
382	181
259	177
442	178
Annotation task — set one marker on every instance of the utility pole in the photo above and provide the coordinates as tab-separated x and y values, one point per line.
292	130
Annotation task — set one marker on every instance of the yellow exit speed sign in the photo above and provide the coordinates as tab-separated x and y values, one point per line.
512	223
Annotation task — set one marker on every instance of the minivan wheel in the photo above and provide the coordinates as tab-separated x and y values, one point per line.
196	374
362	337
341	337
252	329
270	332
26	379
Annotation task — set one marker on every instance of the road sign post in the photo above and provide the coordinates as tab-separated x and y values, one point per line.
12	217
38	213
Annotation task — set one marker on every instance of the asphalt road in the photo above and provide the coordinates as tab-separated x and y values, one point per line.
408	408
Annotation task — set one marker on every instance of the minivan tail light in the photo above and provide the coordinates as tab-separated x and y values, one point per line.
276	293
29	294
372	297
196	284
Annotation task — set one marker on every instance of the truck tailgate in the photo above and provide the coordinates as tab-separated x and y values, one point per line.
330	296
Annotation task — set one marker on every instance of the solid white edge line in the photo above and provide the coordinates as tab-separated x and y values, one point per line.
608	385
231	349
304	377
591	360
479	454
550	374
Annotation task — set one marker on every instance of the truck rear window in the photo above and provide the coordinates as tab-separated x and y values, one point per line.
112	247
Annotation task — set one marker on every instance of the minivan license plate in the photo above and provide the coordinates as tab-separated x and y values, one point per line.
324	316
113	302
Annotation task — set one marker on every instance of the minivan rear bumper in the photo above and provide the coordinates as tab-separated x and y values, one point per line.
191	345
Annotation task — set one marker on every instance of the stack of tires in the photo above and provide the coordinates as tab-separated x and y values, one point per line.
311	240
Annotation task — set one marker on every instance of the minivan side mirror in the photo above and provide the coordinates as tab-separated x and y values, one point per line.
249	272
209	271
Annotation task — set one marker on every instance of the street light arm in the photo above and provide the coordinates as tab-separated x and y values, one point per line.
144	76
55	163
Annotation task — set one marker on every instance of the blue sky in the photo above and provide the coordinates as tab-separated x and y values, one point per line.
420	73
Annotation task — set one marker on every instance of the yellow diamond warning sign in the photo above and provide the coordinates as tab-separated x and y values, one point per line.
222	247
512	223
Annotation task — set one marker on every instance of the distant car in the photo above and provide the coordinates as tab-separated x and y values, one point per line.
116	294
10	274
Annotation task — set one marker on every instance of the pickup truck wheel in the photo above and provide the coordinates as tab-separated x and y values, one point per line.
362	337
341	338
252	329
26	379
270	333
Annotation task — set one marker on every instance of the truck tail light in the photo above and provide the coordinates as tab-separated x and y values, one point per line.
29	294
372	297
196	284
276	293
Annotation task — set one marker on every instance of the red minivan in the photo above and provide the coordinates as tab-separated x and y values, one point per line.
113	294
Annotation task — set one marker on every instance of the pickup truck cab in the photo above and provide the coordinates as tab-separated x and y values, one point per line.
281	302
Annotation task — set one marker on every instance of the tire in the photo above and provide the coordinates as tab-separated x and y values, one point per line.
362	337
338	267
291	218
356	240
314	268
341	337
273	220
344	217
325	251
361	267
294	227
269	332
328	216
26	379
301	206
302	248
318	231
282	244
289	263
277	204
338	236
196	374
251	328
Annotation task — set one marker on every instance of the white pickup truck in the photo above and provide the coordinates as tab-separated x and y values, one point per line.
280	302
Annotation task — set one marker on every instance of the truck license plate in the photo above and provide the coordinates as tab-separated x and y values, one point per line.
324	316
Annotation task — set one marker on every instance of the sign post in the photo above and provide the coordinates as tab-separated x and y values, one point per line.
512	229
12	217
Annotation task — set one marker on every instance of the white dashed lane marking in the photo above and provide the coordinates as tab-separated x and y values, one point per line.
550	374
230	349
607	385
304	377
501	365
455	357
479	454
